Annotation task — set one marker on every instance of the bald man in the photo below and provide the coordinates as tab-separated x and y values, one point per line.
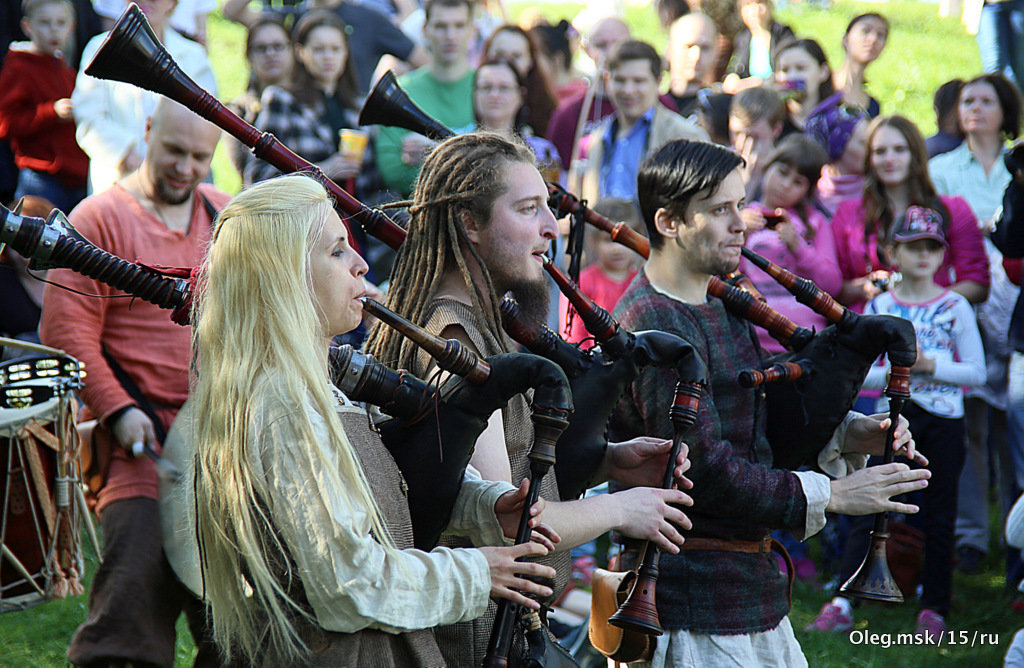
605	35
692	51
138	379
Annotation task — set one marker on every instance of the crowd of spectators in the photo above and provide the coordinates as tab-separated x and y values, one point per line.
831	176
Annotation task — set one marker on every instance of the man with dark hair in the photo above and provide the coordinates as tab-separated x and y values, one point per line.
443	89
564	126
948	136
639	125
722	599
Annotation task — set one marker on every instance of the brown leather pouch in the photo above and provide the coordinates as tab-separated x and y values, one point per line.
97	452
608	591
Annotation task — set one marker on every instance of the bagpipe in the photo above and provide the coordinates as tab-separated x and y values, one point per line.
434	428
131	53
809	390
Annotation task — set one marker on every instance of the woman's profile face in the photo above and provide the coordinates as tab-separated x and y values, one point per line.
270	55
497	95
980	110
513	47
324	54
866	39
336	277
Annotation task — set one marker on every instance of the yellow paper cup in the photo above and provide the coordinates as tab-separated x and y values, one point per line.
352	143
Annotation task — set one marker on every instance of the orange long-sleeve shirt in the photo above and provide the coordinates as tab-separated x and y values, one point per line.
151	349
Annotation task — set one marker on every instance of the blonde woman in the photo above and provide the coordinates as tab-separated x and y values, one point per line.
300	512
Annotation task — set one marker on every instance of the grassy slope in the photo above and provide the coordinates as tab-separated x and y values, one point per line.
923	51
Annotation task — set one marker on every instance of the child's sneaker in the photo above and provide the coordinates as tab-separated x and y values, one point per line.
831	619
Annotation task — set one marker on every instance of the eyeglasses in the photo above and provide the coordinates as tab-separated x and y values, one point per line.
504	90
273	47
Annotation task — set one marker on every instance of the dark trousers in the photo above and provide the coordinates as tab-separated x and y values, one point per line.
135	597
942	442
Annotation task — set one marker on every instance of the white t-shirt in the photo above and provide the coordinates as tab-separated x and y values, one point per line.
947	332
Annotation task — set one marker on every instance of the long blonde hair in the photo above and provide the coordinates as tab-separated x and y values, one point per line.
257	336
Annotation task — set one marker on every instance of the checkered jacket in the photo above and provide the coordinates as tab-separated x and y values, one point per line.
301	128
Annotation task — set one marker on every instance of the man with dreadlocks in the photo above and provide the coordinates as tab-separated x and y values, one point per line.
479	226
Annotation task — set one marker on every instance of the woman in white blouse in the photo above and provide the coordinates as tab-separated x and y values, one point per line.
301	518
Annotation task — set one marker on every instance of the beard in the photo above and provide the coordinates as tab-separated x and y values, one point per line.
533	297
168	195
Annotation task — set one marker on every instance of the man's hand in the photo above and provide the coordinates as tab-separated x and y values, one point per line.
645	513
415	148
131	162
641	462
869	490
133	426
509	511
866	435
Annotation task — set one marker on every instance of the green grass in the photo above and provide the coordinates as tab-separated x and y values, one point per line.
923	51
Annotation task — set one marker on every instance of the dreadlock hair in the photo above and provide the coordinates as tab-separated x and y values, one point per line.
461	177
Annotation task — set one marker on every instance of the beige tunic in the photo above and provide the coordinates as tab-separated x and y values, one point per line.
465	644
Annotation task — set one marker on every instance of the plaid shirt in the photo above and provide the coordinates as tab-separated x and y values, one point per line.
303	129
736	493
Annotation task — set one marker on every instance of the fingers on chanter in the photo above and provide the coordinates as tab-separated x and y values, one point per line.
669	538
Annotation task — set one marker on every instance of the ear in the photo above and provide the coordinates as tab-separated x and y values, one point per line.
472	228
26	27
777	130
826	74
666	224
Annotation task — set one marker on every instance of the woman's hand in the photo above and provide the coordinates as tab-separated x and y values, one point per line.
505	572
866	435
869	490
641	462
645	513
509	511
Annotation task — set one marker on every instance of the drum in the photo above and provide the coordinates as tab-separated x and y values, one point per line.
40	513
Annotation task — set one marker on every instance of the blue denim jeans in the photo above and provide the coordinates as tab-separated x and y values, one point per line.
49	187
1001	39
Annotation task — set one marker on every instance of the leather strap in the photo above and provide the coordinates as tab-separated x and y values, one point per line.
763	546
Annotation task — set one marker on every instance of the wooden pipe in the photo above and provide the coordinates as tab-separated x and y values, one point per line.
449	354
131	53
873	580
